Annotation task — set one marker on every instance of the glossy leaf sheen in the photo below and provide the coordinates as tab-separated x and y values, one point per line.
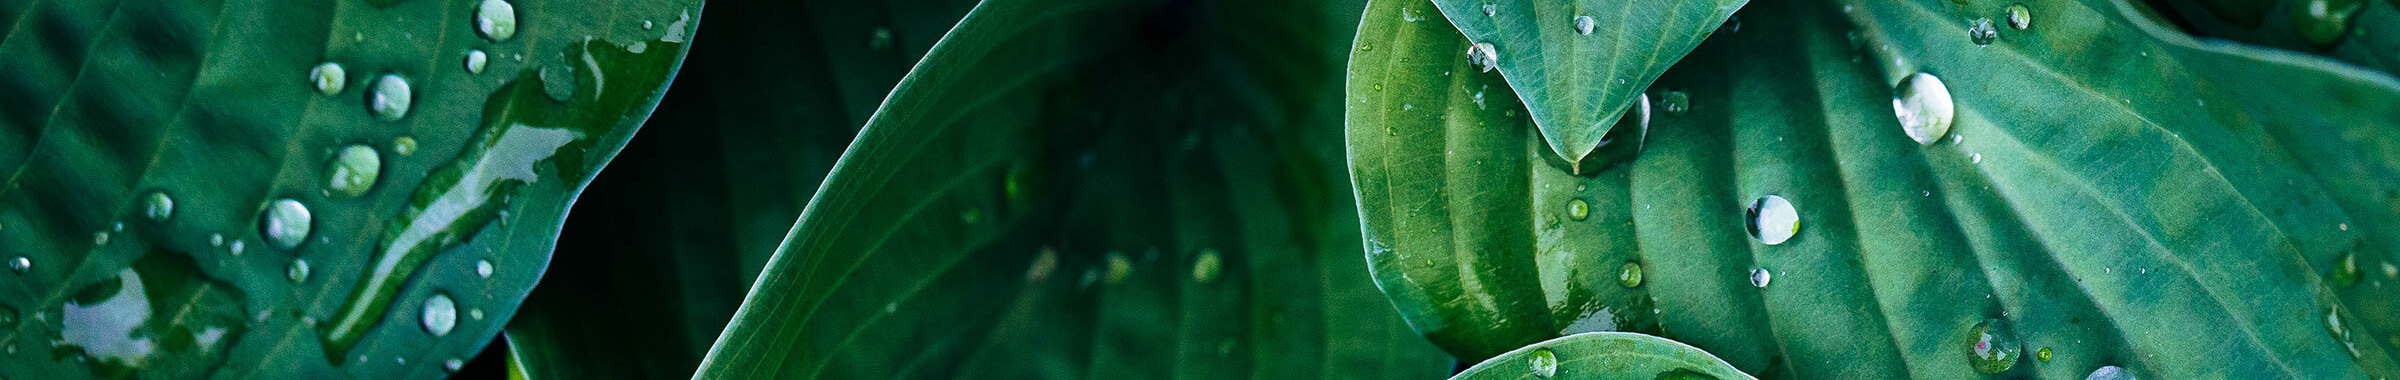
1605	355
1581	83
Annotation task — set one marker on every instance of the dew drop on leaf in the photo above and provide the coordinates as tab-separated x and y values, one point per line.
1543	363
1760	277
453	365
1992	346
2043	354
483	268
1484	56
1981	32
1584	25
440	314
2345	271
1118	268
1490	10
1922	103
2109	373
390	97
158	206
879	39
1675	102
2019	17
1577	209
476	60
353	171
404	145
496	20
1205	268
1630	275
328	78
2323	22
284	223
20	264
1773	219
298	271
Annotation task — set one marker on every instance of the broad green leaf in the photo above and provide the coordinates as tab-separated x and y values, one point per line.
2108	195
668	240
1091	188
1578	64
1604	355
189	196
2361	32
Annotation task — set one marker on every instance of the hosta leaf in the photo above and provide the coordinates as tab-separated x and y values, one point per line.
2109	195
1604	355
2361	32
191	196
668	240
1093	188
1583	60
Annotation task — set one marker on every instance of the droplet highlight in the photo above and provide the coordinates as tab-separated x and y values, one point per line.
2019	17
285	223
1773	220
2323	22
158	206
440	314
1981	32
1630	275
1584	25
1675	102
2109	373
476	60
353	171
328	78
1760	277
1992	347
20	264
1205	268
1484	56
1543	362
496	20
298	271
483	268
390	98
1577	209
2345	271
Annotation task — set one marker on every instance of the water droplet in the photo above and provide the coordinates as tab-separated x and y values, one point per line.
454	364
404	145
2019	17
1760	277
496	20
20	264
1992	346
157	313
2391	271
476	60
100	238
1206	267
1118	268
1484	56
879	39
284	223
1675	102
1630	275
158	206
298	271
2322	22
352	172
676	30
1490	10
234	247
440	314
2043	354
1923	105
483	268
328	78
1543	363
2109	373
1577	209
8	317
390	98
1773	219
2345	271
1584	25
1981	32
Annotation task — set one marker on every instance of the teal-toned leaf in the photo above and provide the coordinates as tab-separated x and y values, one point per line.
1092	188
2361	32
1578	64
193	198
1604	355
668	240
2108	194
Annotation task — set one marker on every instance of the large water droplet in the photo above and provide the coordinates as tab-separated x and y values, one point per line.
284	223
1630	275
1484	56
1584	25
1675	102
1206	267
352	172
2109	373
1773	220
1992	346
1923	106
2019	17
1543	363
2322	22
476	60
440	314
298	271
1577	209
496	20
2345	271
1760	277
157	317
20	264
1981	32
158	206
390	97
328	78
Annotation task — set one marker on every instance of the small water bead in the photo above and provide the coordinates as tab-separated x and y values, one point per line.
2043	354
1118	268
1993	346
404	145
1630	275
100	238
1543	363
328	78
2109	373
1484	56
285	223
879	39
1760	277
20	264
1924	108
1981	32
646	25
158	206
453	365
1584	25
352	172
483	268
1577	209
1675	102
1773	220
2322	22
2345	271
476	60
390	97
2019	17
298	272
2390	271
1490	10
496	20
234	247
440	314
216	240
1206	267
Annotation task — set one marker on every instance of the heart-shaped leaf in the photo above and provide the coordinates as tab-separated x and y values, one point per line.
300	190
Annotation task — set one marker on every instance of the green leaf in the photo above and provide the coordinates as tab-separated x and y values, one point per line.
1577	77
1604	355
188	201
1092	188
669	239
2361	32
2108	192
